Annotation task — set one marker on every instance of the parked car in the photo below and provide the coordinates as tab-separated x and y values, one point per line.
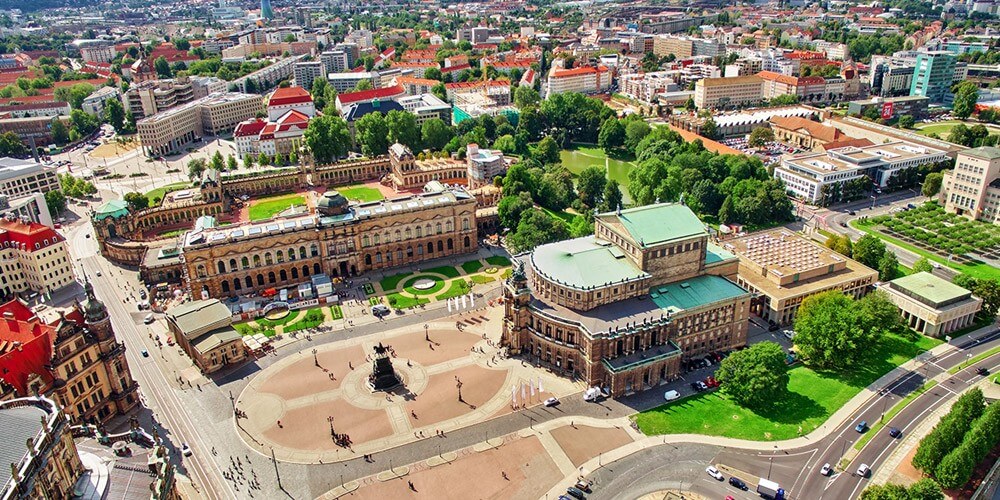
148	319
696	386
380	310
711	382
551	402
712	471
737	482
862	426
863	470
789	334
702	386
894	432
671	395
576	493
583	485
826	470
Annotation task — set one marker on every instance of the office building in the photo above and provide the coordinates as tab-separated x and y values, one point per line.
972	189
711	93
933	75
891	107
20	178
586	80
425	107
306	72
169	131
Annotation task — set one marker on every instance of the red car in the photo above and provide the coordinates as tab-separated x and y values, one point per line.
711	382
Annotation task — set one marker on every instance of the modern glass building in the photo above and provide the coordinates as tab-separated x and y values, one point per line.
265	9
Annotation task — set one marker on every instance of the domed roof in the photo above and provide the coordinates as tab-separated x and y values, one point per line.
331	199
113	209
93	308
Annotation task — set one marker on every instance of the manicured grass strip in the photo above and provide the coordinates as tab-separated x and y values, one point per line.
389	283
565	216
292	315
975	270
361	193
408	285
472	266
448	271
158	193
269	207
369	289
374	301
399	301
498	260
312	319
169	234
811	399
456	289
336	312
974	360
481	279
875	428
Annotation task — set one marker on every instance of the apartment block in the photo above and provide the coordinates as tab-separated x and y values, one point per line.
169	131
305	72
728	91
972	189
587	80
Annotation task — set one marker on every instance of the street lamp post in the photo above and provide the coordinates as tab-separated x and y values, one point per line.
276	473
427	336
458	384
330	419
770	460
315	358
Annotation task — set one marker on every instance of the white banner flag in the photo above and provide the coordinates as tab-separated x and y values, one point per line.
524	392
513	394
531	386
540	390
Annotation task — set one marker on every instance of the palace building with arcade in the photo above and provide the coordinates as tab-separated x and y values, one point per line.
622	308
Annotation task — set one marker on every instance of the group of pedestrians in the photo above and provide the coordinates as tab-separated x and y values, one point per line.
237	474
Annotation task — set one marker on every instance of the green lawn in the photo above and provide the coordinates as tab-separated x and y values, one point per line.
456	289
942	129
389	283
245	329
312	319
171	233
399	301
812	397
374	301
565	216
472	266
447	271
269	207
158	193
481	278
361	193
292	315
408	285
577	158
498	260
977	270
337	312
889	415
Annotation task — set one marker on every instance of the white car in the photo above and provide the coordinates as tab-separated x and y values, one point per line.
186	450
671	395
551	401
712	471
826	470
863	470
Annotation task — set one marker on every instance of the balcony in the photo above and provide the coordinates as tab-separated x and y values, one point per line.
640	358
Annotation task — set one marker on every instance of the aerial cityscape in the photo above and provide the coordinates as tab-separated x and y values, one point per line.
523	249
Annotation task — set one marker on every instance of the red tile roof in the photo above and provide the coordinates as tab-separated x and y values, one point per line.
586	70
367	95
249	127
27	235
460	67
25	346
499	82
289	95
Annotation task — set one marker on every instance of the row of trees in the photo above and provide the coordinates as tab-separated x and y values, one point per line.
925	489
959	441
973	137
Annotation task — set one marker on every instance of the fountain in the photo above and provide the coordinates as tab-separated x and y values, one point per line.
383	376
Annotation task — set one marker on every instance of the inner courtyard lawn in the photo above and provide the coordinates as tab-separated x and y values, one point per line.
269	207
812	397
400	301
409	288
361	193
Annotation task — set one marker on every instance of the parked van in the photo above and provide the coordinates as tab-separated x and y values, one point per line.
148	319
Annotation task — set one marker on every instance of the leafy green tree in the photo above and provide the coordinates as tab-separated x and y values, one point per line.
923	265
440	91
612	197
955	468
966	96
985	288
518	179
60	134
218	162
506	143
590	185
248	160
328	138
403	129
887	266
761	136
263	159
925	489
136	201
363	85
74	94
611	135
536	228
635	131
182	44
372	133
196	167
710	129
890	491
948	434
704	197
435	134
906	121
546	151
55	201
11	145
877	312
726	211
318	91
831	332
162	67
432	73
114	114
754	377
555	188
839	244
868	250
525	96
510	208
961	135
932	184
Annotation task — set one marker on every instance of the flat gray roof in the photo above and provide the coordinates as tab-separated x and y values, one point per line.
17	426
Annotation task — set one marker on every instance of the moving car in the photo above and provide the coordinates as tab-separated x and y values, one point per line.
863	470
186	450
671	395
982	371
145	353
826	470
737	482
894	432
551	402
712	471
862	426
148	319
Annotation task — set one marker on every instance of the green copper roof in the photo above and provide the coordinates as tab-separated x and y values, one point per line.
584	263
932	289
984	152
654	224
714	253
695	292
113	208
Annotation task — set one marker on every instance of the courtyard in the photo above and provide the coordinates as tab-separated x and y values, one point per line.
299	404
423	286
